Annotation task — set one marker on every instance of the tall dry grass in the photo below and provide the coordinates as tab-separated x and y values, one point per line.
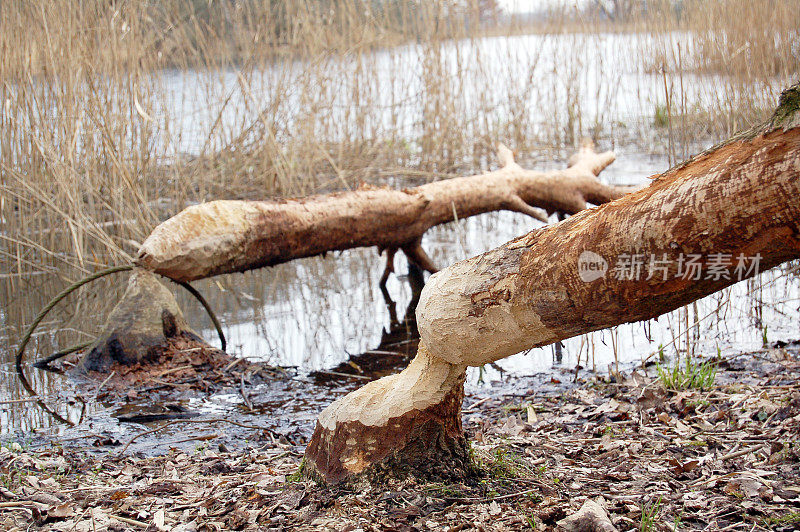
117	115
748	50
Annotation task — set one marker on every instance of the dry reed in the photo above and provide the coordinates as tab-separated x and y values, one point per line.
116	115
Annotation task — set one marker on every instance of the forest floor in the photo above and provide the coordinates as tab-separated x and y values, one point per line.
626	455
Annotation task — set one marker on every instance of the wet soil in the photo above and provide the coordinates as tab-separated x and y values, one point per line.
169	403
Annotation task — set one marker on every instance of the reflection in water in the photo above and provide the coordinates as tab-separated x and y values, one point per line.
398	343
319	313
75	320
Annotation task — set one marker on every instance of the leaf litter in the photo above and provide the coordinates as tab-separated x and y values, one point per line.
604	455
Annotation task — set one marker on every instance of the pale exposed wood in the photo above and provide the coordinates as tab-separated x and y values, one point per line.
741	197
421	404
233	236
740	200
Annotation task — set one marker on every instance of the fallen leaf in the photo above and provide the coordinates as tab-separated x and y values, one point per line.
532	417
511	426
118	495
748	486
679	468
158	519
682	428
61	511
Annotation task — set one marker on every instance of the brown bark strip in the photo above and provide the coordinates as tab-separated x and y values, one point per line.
234	236
741	197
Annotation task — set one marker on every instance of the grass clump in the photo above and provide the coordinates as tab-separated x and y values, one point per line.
791	518
446	490
299	475
690	375
649	514
506	465
661	116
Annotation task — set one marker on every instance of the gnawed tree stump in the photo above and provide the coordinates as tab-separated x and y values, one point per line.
229	236
741	198
139	326
410	421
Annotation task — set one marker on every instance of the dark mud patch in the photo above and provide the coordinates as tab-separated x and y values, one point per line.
184	366
190	396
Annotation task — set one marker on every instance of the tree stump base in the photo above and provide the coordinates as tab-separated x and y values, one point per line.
409	423
139	326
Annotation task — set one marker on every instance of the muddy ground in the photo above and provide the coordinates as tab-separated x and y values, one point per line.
644	457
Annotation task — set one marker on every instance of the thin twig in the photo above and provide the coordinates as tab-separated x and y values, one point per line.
173	370
349	375
129	521
44	362
104	382
743	452
17	401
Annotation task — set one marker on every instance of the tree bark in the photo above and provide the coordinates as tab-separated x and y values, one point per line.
739	198
234	236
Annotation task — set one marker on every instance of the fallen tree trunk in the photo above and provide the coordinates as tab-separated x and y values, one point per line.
736	201
234	236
